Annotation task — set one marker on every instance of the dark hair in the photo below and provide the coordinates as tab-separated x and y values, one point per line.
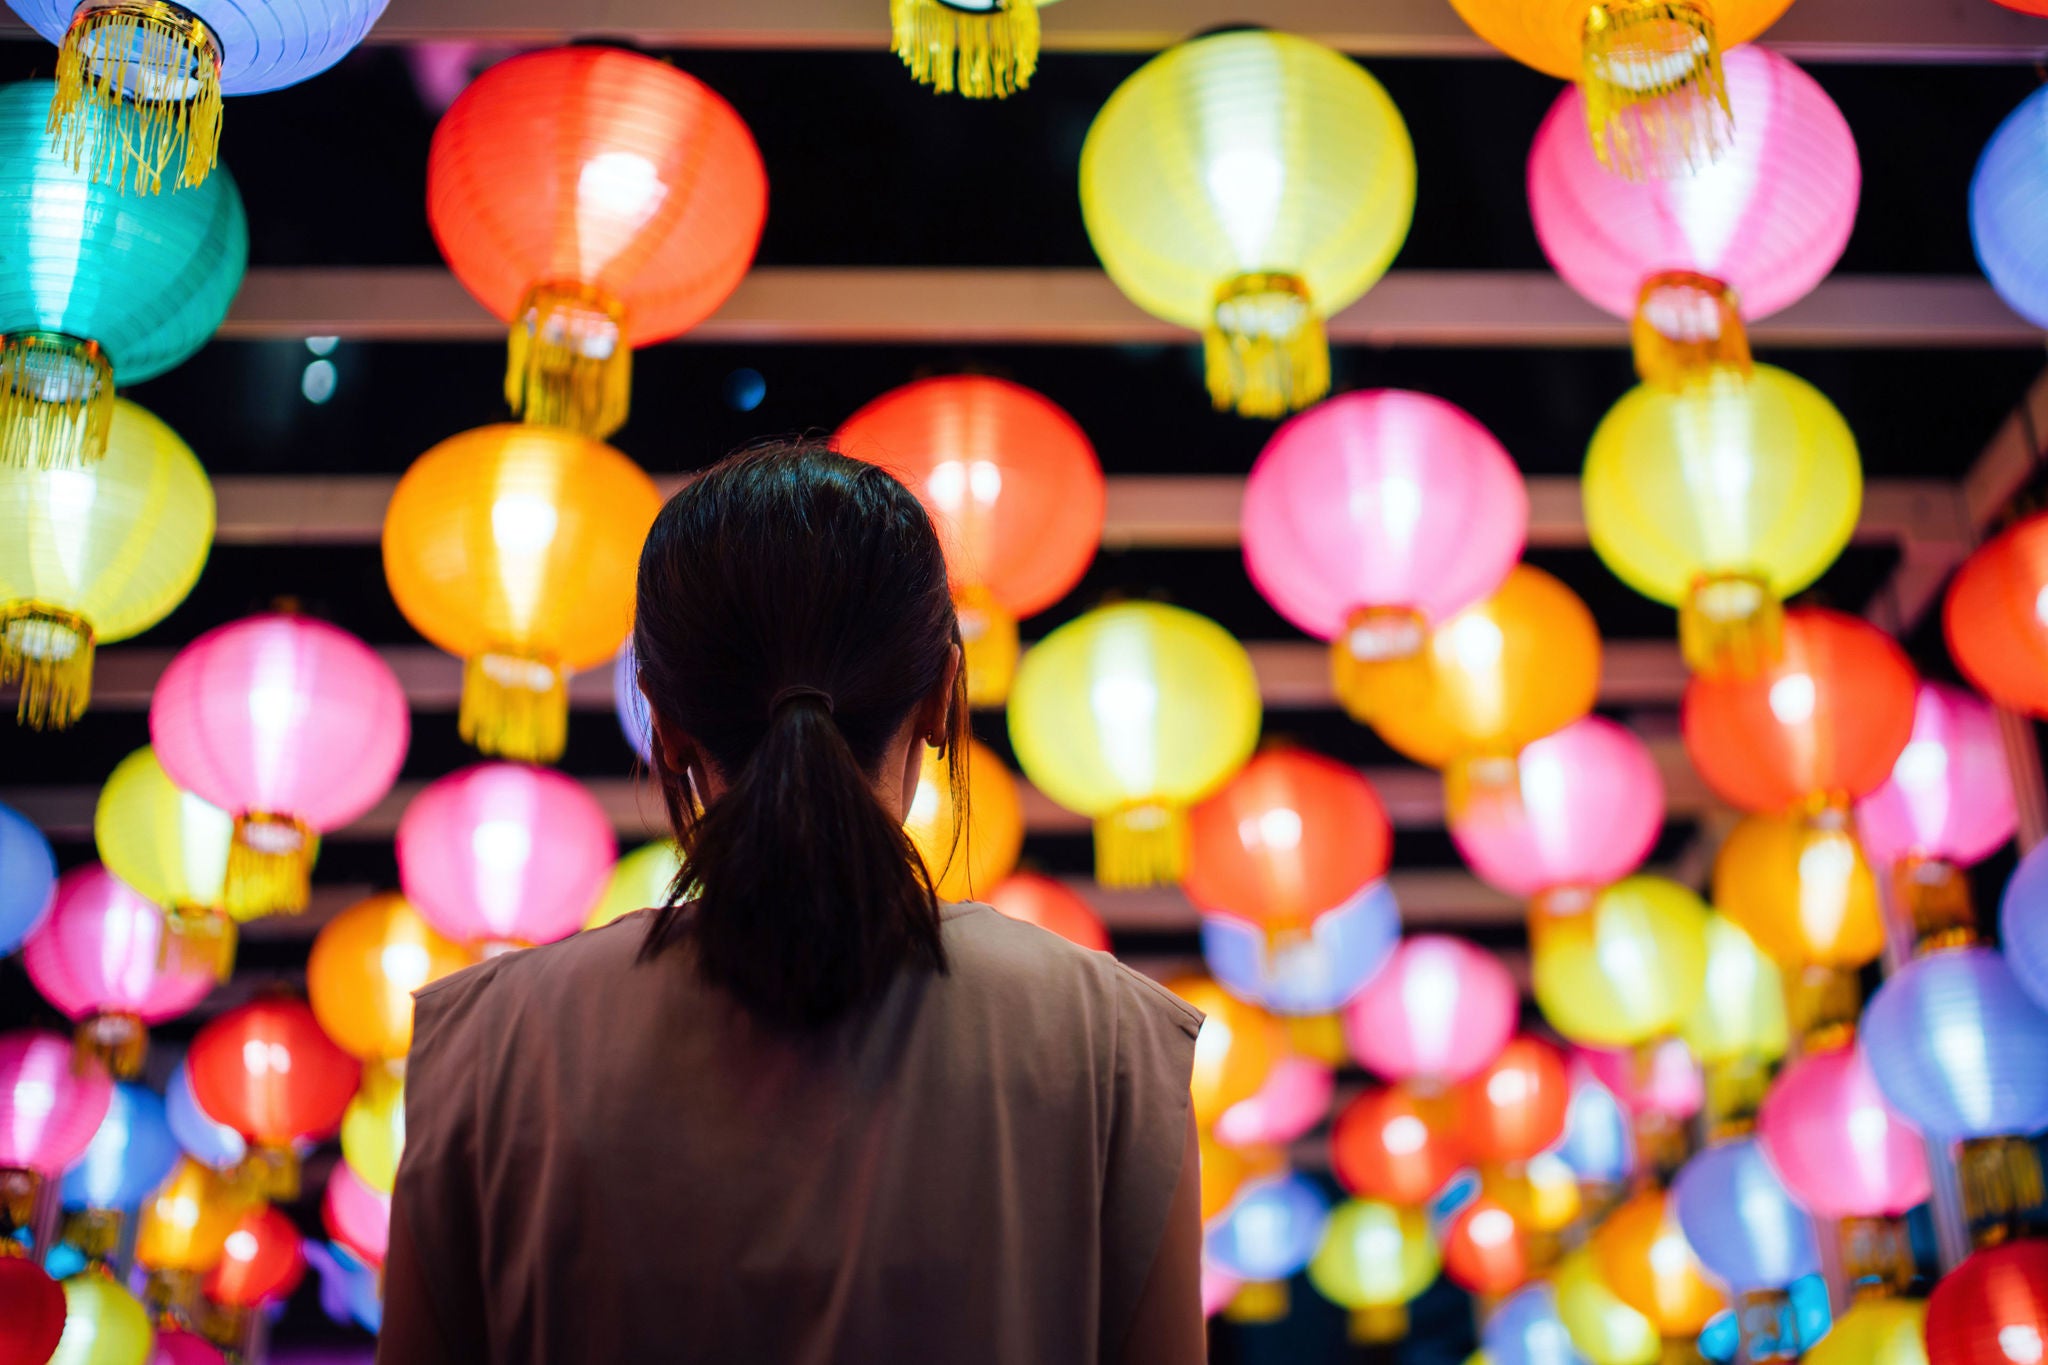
793	612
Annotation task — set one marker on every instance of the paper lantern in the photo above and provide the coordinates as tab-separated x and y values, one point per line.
373	1128
1839	1146
504	853
184	1227
32	1309
28	878
1218	1289
263	1259
1875	1331
172	848
1237	1048
365	964
1050	905
1485	1250
1803	891
636	723
1517	666
1526	1330
124	288
1599	1139
1741	1222
1514	1107
1740	1017
516	548
1947	805
1997	632
639	880
1223	1172
1761	226
1292	1102
1438	1012
100	959
598	201
1014	488
1249	184
1723	498
966	861
1129	715
130	1153
104	1324
175	1346
1642	1253
1661	1079
1374	1259
291	725
203	1137
1992	1309
1270	1232
1603	1328
95	554
1649	71
266	1070
1591	807
1821	725
1959	1048
1309	972
985	49
139	84
356	1216
1396	1145
1625	971
1375	515
2005	212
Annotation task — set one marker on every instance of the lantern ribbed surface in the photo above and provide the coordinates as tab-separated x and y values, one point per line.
1311	970
264	44
966	860
1959	1047
1950	794
1741	1221
1992	1309
50	1107
356	1216
1804	892
170	845
28	877
129	1155
365	964
1625	971
102	952
1835	1140
1993	616
268	1071
1292	835
2009	209
1440	1010
262	1262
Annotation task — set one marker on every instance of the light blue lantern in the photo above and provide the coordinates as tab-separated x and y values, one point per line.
1270	1232
1741	1222
2009	209
631	704
1599	1138
2023	923
1959	1048
128	1157
1312	973
28	878
204	1138
1525	1330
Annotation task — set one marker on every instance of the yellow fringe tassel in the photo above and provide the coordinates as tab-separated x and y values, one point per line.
1731	625
1266	352
1822	1005
2001	1179
985	54
1877	1256
1686	330
1936	895
94	1233
568	364
138	89
56	401
117	1042
198	938
1490	781
988	640
49	652
1362	656
270	865
1145	844
1258	1301
1656	103
1378	1324
18	1186
514	706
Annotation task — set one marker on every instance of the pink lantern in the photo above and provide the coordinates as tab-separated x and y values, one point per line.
50	1107
1218	1289
1664	1080
1949	797
1769	219
1839	1146
356	1215
503	853
295	726
1592	804
1376	514
1438	1011
100	958
1294	1099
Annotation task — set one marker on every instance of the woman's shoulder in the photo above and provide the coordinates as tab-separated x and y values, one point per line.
506	986
990	952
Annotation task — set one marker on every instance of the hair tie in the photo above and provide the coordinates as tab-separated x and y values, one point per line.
797	692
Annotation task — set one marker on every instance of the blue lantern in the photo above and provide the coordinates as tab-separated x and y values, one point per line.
204	1138
28	878
128	1157
1270	1232
1740	1220
1599	1137
631	704
1525	1330
2009	209
1959	1048
2023	922
1313	973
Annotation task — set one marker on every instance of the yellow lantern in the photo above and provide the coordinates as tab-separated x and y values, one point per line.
1605	1330
373	1128
516	547
985	49
93	555
1875	1331
1492	678
104	1324
1650	70
184	1227
1629	969
640	879
967	862
1741	1010
1235	1051
1374	1259
1130	715
1249	184
1722	499
172	847
365	964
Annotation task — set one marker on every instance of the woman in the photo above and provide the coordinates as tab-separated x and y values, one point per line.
808	1113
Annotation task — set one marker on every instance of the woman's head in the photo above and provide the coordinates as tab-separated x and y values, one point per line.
798	647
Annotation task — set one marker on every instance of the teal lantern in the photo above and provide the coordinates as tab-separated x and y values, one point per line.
99	289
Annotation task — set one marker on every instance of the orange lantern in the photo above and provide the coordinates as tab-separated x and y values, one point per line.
1486	1249
1051	905
597	200
263	1259
1395	1145
1821	726
365	964
1511	669
183	1228
1015	489
1515	1107
1642	1254
1292	835
267	1071
1224	1171
1996	617
1237	1047
967	860
1802	889
517	548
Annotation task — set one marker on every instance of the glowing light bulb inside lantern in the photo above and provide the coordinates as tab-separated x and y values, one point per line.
1792	698
1246	182
2021	1343
406	965
1404	1135
617	192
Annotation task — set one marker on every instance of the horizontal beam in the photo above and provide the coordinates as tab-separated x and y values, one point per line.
1082	307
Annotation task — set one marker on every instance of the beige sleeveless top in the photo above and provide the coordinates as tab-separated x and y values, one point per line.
606	1161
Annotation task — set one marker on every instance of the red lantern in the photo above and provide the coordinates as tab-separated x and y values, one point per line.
1515	1107
31	1312
597	200
1485	1249
1996	617
1391	1145
268	1072
1821	726
263	1260
1292	835
1015	489
1992	1309
1051	905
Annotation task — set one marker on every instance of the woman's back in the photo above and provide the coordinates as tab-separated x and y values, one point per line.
976	1167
